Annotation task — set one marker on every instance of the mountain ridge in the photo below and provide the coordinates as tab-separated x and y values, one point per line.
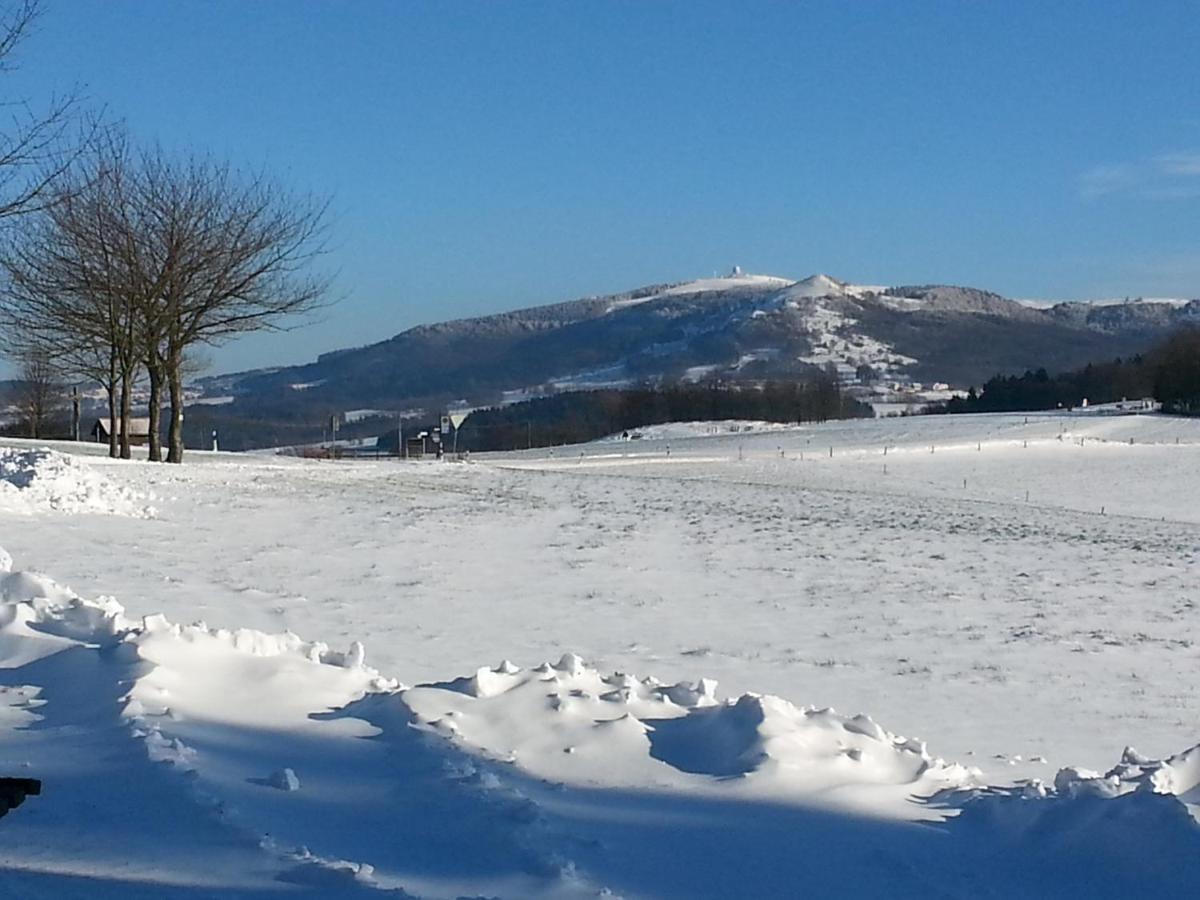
737	328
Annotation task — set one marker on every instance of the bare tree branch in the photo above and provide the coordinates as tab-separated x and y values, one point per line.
36	146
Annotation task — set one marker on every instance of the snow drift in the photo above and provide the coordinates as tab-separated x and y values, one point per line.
301	765
35	480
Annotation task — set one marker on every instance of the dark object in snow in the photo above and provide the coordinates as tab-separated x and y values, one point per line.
13	792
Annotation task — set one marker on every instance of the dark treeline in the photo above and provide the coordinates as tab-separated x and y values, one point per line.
579	416
1169	373
1177	373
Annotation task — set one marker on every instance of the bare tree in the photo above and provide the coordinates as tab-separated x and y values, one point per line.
73	292
232	253
39	394
141	258
134	260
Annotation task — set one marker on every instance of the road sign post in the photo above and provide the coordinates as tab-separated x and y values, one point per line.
456	419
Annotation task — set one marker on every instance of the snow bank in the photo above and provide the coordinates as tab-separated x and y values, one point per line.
35	602
37	480
34	605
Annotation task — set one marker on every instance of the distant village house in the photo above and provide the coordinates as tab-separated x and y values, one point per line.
139	431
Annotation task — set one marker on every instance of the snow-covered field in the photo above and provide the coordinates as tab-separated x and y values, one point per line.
898	657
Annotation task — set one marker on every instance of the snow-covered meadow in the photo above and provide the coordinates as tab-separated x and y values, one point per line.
882	658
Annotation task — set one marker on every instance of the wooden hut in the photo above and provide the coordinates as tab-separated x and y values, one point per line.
139	431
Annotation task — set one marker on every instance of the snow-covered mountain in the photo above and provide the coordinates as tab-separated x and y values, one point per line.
740	327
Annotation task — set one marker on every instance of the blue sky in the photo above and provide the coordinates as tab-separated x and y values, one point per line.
485	156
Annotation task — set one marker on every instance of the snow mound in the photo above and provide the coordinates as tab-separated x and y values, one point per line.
569	722
805	749
37	480
1177	776
34	605
284	780
336	877
39	617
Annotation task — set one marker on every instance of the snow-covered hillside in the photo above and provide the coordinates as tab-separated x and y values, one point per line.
734	282
906	657
740	327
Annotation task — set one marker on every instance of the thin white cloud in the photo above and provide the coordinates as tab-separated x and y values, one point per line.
1181	191
1168	176
1108	179
1186	165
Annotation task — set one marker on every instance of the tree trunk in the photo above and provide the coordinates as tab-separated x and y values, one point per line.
156	386
111	388
175	380
126	406
112	421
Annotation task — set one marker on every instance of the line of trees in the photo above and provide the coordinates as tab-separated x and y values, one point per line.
1170	373
127	259
137	258
580	416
